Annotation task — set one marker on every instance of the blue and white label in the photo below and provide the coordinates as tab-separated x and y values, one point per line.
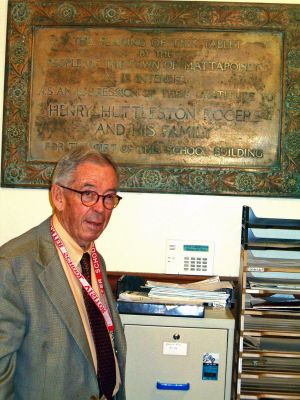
210	367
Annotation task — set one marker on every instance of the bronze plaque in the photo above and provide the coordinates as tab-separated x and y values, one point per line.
187	97
157	97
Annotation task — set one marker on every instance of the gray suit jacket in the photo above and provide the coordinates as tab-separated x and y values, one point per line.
44	353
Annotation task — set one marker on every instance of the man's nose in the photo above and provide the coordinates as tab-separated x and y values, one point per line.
99	206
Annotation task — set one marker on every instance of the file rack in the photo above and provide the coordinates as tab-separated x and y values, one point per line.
268	333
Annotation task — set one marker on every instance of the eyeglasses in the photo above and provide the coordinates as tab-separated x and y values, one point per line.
89	198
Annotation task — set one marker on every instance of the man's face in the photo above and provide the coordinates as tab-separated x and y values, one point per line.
85	224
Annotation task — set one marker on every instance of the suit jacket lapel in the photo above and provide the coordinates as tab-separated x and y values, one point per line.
57	287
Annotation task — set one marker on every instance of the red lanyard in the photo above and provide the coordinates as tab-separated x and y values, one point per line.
84	283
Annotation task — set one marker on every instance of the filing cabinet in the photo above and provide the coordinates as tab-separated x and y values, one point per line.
172	358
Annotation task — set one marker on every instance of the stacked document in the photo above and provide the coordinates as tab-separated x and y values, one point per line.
271	294
280	304
278	284
262	262
269	343
211	292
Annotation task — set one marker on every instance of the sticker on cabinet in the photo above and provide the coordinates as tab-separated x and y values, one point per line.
210	367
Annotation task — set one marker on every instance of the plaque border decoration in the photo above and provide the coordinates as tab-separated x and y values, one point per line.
280	180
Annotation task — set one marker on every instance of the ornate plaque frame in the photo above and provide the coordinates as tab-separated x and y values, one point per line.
278	179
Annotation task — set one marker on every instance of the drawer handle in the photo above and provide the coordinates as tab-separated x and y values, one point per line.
172	386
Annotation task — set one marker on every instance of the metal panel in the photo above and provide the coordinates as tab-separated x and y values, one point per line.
172	349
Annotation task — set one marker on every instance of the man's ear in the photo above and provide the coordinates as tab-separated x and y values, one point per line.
57	197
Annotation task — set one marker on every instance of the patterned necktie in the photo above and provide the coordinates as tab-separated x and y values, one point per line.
106	372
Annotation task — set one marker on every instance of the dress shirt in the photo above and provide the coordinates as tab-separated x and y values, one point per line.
75	253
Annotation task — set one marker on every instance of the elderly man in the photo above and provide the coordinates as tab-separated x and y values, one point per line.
60	334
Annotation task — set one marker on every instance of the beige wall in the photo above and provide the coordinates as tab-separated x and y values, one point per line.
136	237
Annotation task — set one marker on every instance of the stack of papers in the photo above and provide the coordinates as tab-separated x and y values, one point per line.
211	292
271	294
277	284
283	263
275	344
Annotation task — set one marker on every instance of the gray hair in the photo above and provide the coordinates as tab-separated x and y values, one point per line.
66	166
